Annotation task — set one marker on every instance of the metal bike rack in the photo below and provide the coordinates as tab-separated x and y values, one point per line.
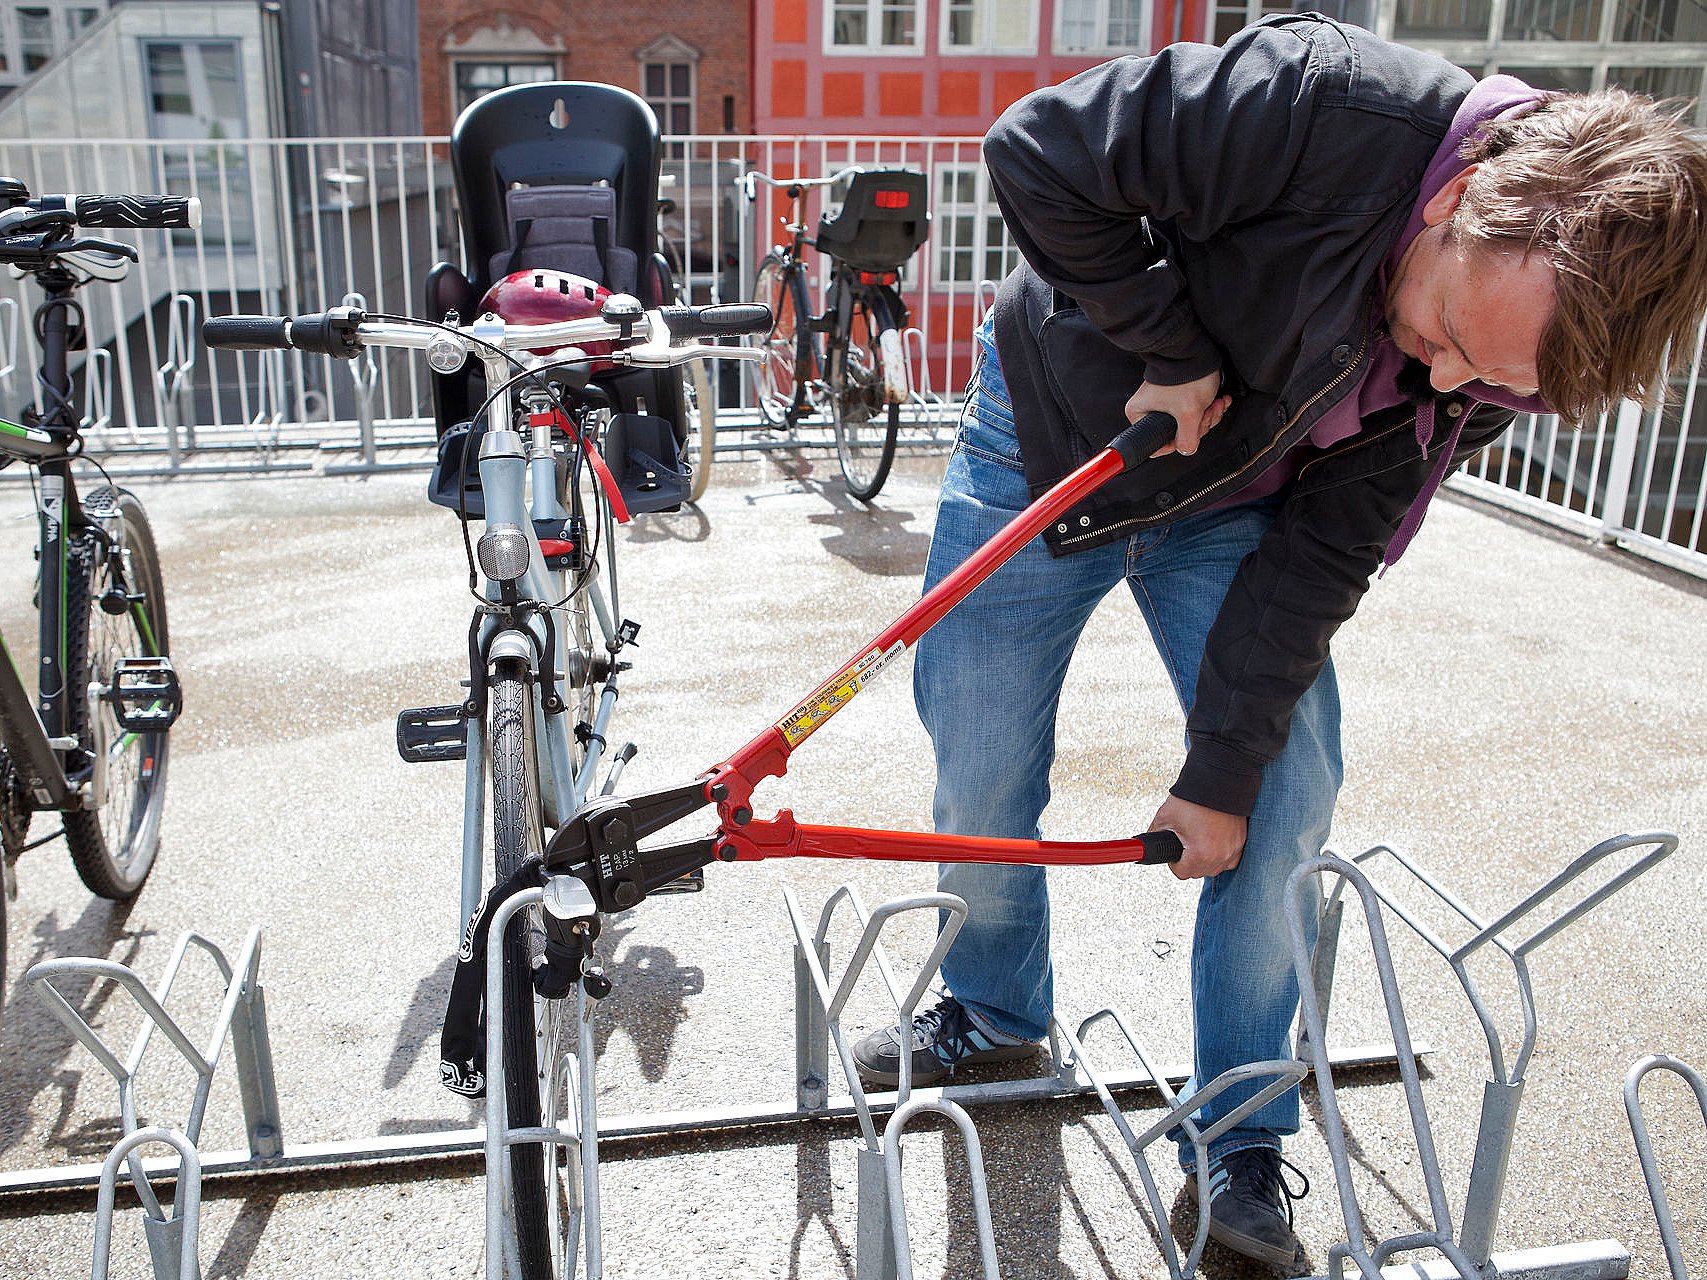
574	1079
8	345
172	379
1468	1251
882	1250
99	372
1645	1147
172	1236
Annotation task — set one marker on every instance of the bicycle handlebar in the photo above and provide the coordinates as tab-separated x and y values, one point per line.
652	336
137	211
751	179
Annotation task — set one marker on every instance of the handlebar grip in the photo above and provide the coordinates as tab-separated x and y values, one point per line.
133	211
1144	437
726	320
247	333
1160	846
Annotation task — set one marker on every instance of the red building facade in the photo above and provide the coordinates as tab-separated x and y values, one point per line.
689	58
928	71
932	67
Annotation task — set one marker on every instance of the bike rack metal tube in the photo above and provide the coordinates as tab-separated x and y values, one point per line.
1645	1147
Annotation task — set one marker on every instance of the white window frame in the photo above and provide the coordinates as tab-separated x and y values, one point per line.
873	25
944	246
669	51
983	17
1059	40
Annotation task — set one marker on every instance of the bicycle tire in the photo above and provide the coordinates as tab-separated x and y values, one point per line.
701	401
530	1024
780	379
114	847
866	426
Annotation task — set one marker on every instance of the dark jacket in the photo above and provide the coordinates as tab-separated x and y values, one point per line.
1227	209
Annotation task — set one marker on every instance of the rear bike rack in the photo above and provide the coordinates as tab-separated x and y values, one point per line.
242	1017
1645	1148
1467	1251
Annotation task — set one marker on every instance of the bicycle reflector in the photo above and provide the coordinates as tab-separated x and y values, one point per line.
542	296
892	199
503	552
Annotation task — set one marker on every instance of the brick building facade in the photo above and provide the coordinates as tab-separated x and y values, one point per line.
690	58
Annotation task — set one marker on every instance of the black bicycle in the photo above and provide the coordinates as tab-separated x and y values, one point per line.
857	372
92	745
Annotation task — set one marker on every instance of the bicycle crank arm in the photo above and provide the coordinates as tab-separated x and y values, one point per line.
766	756
783	837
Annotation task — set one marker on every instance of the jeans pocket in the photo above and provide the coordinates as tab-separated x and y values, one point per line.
987	425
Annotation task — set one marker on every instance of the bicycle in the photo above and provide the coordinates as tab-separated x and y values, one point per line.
93	744
546	647
857	373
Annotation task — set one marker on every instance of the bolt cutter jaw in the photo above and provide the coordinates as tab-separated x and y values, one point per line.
600	845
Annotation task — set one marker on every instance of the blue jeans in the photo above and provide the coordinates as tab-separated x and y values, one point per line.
993	755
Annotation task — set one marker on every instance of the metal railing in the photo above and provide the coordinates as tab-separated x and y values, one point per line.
293	225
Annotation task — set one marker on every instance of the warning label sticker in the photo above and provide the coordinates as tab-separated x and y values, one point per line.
830	698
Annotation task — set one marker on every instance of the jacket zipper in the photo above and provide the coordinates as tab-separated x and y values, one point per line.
1341	376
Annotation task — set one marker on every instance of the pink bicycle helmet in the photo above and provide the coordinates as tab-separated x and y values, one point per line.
543	296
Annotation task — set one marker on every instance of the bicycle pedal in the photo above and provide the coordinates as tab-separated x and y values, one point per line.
145	694
692	882
425	734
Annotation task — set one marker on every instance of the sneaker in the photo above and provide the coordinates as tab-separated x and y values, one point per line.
943	1038
1250	1204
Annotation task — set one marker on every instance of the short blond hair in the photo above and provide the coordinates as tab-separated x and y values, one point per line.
1610	188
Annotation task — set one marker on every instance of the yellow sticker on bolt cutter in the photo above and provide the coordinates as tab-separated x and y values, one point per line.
830	698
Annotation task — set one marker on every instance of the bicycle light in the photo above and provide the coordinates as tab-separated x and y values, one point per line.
446	353
503	552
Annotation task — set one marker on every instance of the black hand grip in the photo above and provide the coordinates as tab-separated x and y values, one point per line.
1160	846
247	333
132	210
726	320
1144	437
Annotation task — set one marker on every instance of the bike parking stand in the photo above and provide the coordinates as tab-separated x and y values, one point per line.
1281	1074
171	1241
882	1250
574	1077
242	1018
1467	1251
882	1247
1645	1147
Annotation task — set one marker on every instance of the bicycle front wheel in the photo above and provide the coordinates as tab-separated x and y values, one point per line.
866	426
533	1029
780	378
115	607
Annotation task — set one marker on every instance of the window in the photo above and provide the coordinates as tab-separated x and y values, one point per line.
865	26
971	240
195	96
1441	19
1229	17
35	38
1095	25
989	26
1566	79
668	90
477	79
1552	20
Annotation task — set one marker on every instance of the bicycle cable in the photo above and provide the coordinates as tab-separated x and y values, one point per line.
553	393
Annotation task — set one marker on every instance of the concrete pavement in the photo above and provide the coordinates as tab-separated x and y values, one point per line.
1512	697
